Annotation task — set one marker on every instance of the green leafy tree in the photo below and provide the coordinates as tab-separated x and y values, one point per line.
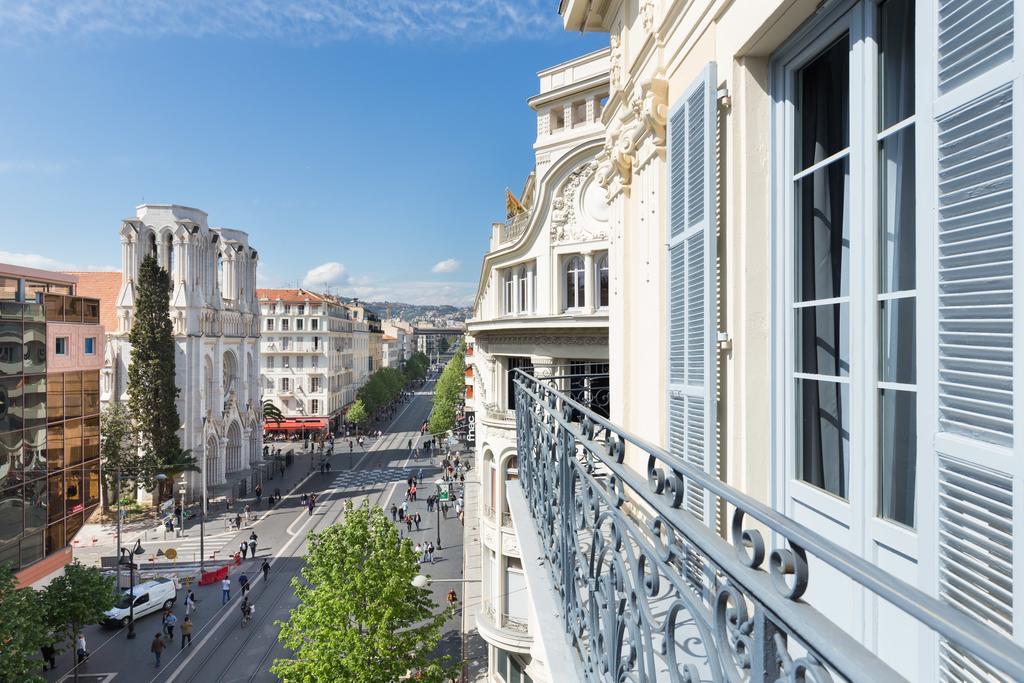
119	449
359	617
271	413
449	394
357	414
152	391
77	599
416	366
22	630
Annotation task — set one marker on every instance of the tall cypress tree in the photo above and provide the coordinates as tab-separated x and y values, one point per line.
151	388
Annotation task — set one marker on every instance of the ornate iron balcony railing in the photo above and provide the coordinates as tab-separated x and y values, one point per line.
650	593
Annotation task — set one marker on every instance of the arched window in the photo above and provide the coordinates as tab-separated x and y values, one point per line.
151	247
220	272
602	281
524	290
169	256
575	282
510	292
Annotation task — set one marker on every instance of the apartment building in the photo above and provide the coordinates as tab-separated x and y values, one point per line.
50	357
306	359
810	466
542	307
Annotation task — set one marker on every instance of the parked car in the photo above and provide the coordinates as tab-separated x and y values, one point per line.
151	596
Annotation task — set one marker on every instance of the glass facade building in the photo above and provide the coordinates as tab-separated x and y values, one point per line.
49	423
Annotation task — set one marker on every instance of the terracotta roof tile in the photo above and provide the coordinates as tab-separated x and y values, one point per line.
298	296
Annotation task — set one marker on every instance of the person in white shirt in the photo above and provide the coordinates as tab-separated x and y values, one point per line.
225	591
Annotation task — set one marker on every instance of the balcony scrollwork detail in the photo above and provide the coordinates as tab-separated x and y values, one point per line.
649	591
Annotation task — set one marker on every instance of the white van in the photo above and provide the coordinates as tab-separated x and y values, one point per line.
151	596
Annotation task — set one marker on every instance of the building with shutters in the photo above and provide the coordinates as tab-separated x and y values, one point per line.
216	326
810	467
307	343
542	306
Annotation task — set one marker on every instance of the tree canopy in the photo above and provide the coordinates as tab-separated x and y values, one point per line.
382	388
119	449
152	391
448	395
416	366
357	413
359	618
271	413
22	630
78	598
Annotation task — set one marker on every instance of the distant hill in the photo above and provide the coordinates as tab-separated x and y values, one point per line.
415	312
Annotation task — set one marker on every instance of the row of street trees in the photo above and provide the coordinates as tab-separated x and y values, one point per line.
30	619
384	386
448	394
139	438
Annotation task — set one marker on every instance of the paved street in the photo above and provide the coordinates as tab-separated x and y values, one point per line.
222	651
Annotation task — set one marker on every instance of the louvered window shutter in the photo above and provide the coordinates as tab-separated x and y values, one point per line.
692	309
977	453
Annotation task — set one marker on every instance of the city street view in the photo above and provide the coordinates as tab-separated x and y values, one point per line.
511	341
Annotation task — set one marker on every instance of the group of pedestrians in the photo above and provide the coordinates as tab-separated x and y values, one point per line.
247	547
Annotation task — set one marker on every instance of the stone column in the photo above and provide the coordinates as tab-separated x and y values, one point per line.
588	282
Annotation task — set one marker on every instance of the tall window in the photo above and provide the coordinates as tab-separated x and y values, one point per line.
270	324
510	292
286	384
314	324
284	324
315	406
300	362
575	282
286	361
842	268
524	290
286	342
314	385
601	285
299	324
512	363
270	362
302	309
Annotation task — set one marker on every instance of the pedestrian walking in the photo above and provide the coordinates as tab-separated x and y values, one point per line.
252	543
430	551
350	445
328	467
243	549
310	506
170	621
265	568
416	519
186	632
405	509
259	493
238	521
49	653
394	512
248	512
157	647
305	499
408	523
410	444
81	648
190	603
243	582
452	598
225	591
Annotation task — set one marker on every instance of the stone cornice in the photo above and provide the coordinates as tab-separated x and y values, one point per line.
549	340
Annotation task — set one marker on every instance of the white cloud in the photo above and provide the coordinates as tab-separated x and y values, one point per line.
46	263
302	21
446	266
330	273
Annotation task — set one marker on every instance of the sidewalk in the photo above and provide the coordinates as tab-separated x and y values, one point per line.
474	647
96	541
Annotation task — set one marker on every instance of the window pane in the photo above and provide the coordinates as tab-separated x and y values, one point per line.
35	505
896	354
10	404
823	339
73	442
34	400
54	537
11	353
91	311
897	426
8	289
12	508
823	434
823	105
73	490
9	556
823	233
54	307
34	455
897	203
55	500
31	548
35	348
55	398
55	447
73	394
896	61
73	309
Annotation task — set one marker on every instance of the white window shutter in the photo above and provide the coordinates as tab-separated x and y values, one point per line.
692	302
977	452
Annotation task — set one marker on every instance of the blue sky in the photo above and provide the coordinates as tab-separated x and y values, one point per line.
362	144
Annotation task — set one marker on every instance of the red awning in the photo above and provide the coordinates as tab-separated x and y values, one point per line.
311	423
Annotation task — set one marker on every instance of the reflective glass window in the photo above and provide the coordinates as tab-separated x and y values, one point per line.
55	398
12	514
55	447
35	348
54	537
55	497
73	442
53	307
11	352
10	404
35	505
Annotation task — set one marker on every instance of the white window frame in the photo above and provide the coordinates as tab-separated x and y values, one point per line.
58	343
860	508
602	263
85	346
579	301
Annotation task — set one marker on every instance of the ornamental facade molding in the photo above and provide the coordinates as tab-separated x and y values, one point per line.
570	220
534	340
643	116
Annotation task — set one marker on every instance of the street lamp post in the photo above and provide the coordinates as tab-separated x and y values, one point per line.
129	556
181	520
119	526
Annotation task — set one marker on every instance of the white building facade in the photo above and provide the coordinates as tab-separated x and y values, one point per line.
541	306
216	326
812	310
306	358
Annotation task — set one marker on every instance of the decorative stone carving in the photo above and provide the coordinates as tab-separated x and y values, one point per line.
654	108
510	545
615	61
647	15
566	223
536	340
